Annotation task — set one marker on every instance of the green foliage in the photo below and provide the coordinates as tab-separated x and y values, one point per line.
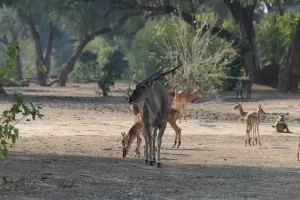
8	66
19	110
86	68
287	26
113	69
145	56
8	131
133	24
105	82
273	33
205	57
81	18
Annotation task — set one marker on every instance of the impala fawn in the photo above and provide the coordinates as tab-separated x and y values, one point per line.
135	131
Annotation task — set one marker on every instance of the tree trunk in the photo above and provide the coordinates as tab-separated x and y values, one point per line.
19	75
49	48
40	60
70	64
289	73
19	69
243	16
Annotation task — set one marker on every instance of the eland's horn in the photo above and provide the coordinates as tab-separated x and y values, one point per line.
157	72
167	72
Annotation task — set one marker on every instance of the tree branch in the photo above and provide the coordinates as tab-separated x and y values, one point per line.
167	9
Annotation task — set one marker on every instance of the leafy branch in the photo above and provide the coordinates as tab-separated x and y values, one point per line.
19	111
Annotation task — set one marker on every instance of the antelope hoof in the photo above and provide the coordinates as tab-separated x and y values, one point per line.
146	162
151	163
256	140
179	144
154	160
158	165
259	143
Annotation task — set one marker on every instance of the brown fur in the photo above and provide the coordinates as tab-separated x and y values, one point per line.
181	99
243	114
280	125
134	132
252	121
172	118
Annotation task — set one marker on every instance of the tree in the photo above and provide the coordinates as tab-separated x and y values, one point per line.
204	56
87	69
242	12
112	69
243	15
42	62
11	29
34	14
87	20
289	73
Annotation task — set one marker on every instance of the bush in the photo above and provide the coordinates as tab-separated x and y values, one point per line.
112	70
205	57
86	68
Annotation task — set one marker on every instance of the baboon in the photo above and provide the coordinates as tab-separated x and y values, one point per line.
280	126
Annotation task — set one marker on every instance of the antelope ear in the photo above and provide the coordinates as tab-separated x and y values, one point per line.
123	134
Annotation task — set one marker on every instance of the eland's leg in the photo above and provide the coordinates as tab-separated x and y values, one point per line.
153	143
161	132
147	146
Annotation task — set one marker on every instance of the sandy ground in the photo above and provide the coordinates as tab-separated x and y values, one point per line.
76	151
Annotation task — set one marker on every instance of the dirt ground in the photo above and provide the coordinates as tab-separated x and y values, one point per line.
76	151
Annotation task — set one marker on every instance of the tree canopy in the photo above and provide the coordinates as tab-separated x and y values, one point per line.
56	33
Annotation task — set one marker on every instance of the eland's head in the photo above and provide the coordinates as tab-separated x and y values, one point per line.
144	89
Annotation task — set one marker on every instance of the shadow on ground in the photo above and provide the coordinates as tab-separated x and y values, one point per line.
69	99
79	177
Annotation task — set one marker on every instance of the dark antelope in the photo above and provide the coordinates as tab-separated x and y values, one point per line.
154	111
